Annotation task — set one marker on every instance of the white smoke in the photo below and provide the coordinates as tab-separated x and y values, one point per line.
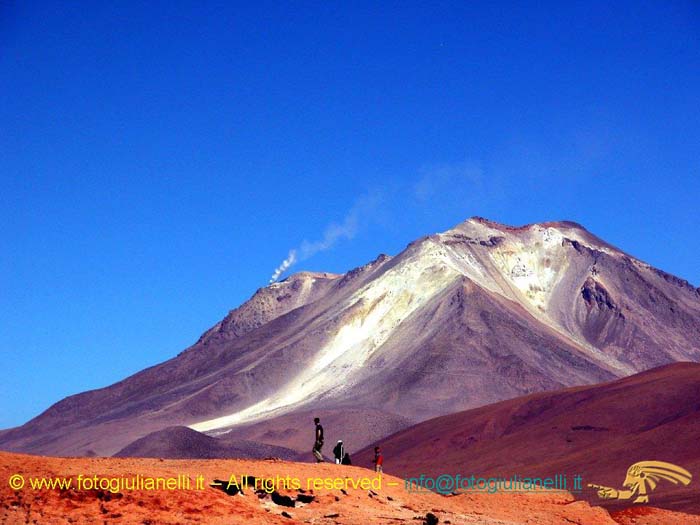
289	261
333	233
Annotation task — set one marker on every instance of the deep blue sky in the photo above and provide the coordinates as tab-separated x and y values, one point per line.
157	163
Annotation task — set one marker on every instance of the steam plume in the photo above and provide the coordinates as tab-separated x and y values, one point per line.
333	233
289	261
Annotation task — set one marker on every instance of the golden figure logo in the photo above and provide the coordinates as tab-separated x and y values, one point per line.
642	478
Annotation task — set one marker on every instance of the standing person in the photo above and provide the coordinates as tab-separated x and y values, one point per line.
319	441
378	460
339	452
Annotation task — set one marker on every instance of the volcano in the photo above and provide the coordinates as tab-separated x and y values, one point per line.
478	314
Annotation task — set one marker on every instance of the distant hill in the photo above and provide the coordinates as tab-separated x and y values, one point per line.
595	431
185	443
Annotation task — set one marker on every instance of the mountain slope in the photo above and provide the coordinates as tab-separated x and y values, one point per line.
595	431
480	313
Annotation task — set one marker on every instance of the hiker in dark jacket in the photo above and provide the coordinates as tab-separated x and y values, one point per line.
339	452
319	441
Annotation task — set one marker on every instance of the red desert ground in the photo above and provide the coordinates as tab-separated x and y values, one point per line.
388	505
487	349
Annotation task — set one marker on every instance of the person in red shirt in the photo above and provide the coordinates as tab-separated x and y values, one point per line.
378	459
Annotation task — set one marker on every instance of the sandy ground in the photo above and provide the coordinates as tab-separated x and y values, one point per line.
390	504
